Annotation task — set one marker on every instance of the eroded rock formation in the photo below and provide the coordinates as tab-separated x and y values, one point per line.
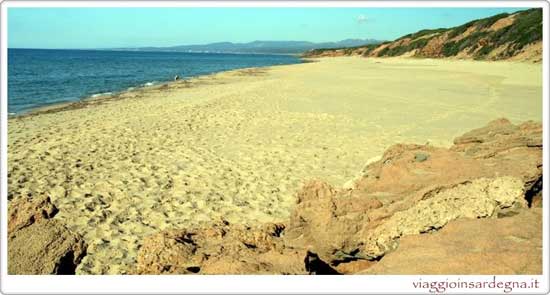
39	245
220	249
511	245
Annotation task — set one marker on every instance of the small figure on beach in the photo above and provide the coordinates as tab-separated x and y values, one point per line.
176	78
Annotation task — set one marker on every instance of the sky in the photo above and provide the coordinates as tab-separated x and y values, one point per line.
88	28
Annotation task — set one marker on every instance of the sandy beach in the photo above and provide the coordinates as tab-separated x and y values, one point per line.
238	145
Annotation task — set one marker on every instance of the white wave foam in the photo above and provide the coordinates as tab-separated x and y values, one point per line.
101	94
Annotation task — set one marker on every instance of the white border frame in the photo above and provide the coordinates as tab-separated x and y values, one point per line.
248	284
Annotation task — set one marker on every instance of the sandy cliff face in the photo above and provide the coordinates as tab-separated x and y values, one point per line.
515	36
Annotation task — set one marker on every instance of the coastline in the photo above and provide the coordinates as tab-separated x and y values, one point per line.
238	144
136	90
170	84
101	97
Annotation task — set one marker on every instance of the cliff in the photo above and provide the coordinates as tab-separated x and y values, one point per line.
516	36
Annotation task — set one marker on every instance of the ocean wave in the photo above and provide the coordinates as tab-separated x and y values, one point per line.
149	83
101	94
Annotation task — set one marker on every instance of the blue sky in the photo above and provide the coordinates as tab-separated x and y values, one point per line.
133	27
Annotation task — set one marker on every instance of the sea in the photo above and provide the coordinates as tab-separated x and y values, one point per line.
41	77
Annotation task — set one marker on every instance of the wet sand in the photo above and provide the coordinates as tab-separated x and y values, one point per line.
237	145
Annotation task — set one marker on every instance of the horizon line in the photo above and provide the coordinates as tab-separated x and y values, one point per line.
198	44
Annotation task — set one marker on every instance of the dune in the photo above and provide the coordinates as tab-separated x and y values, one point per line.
238	145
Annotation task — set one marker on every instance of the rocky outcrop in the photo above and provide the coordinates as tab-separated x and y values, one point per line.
46	247
498	149
516	36
497	137
507	246
479	198
323	219
220	249
488	175
24	212
39	245
411	190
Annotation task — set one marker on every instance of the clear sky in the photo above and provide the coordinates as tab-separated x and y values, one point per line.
134	27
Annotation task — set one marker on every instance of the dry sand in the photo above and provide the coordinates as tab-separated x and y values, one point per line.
237	145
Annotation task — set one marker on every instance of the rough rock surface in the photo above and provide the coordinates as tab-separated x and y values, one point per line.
421	195
323	219
45	247
498	149
476	199
37	244
24	212
220	249
505	246
491	172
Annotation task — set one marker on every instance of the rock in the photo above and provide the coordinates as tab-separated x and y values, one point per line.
286	261
23	212
396	175
505	246
498	149
355	266
369	219
219	249
479	198
420	157
493	130
37	244
324	220
350	184
168	252
497	137
45	247
223	265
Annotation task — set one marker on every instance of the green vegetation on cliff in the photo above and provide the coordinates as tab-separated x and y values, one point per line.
500	36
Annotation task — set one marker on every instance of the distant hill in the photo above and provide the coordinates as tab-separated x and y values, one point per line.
503	36
276	47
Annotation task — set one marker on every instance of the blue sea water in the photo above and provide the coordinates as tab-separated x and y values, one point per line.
39	77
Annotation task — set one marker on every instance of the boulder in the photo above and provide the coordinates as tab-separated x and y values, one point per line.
45	247
36	243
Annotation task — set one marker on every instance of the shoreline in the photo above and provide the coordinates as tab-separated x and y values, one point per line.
99	98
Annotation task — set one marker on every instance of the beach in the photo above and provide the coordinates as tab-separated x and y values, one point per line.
238	145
